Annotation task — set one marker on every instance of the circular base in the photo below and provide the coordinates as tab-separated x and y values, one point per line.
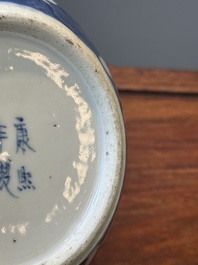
61	142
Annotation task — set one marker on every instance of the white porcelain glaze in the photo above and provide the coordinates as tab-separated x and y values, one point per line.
62	135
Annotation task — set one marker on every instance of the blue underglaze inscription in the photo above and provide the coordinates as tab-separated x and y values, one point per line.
3	136
5	177
25	178
22	140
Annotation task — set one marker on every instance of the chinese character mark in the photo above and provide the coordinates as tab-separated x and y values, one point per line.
5	177
22	136
3	136
25	180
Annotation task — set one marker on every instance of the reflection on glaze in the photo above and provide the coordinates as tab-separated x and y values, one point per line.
56	209
51	215
54	71
83	120
11	68
13	229
50	1
71	191
4	156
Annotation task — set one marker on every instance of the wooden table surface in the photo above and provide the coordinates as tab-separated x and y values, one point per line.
157	218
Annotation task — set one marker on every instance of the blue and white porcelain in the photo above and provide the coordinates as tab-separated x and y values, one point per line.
62	138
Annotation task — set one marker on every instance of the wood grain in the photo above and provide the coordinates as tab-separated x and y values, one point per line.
132	79
157	219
